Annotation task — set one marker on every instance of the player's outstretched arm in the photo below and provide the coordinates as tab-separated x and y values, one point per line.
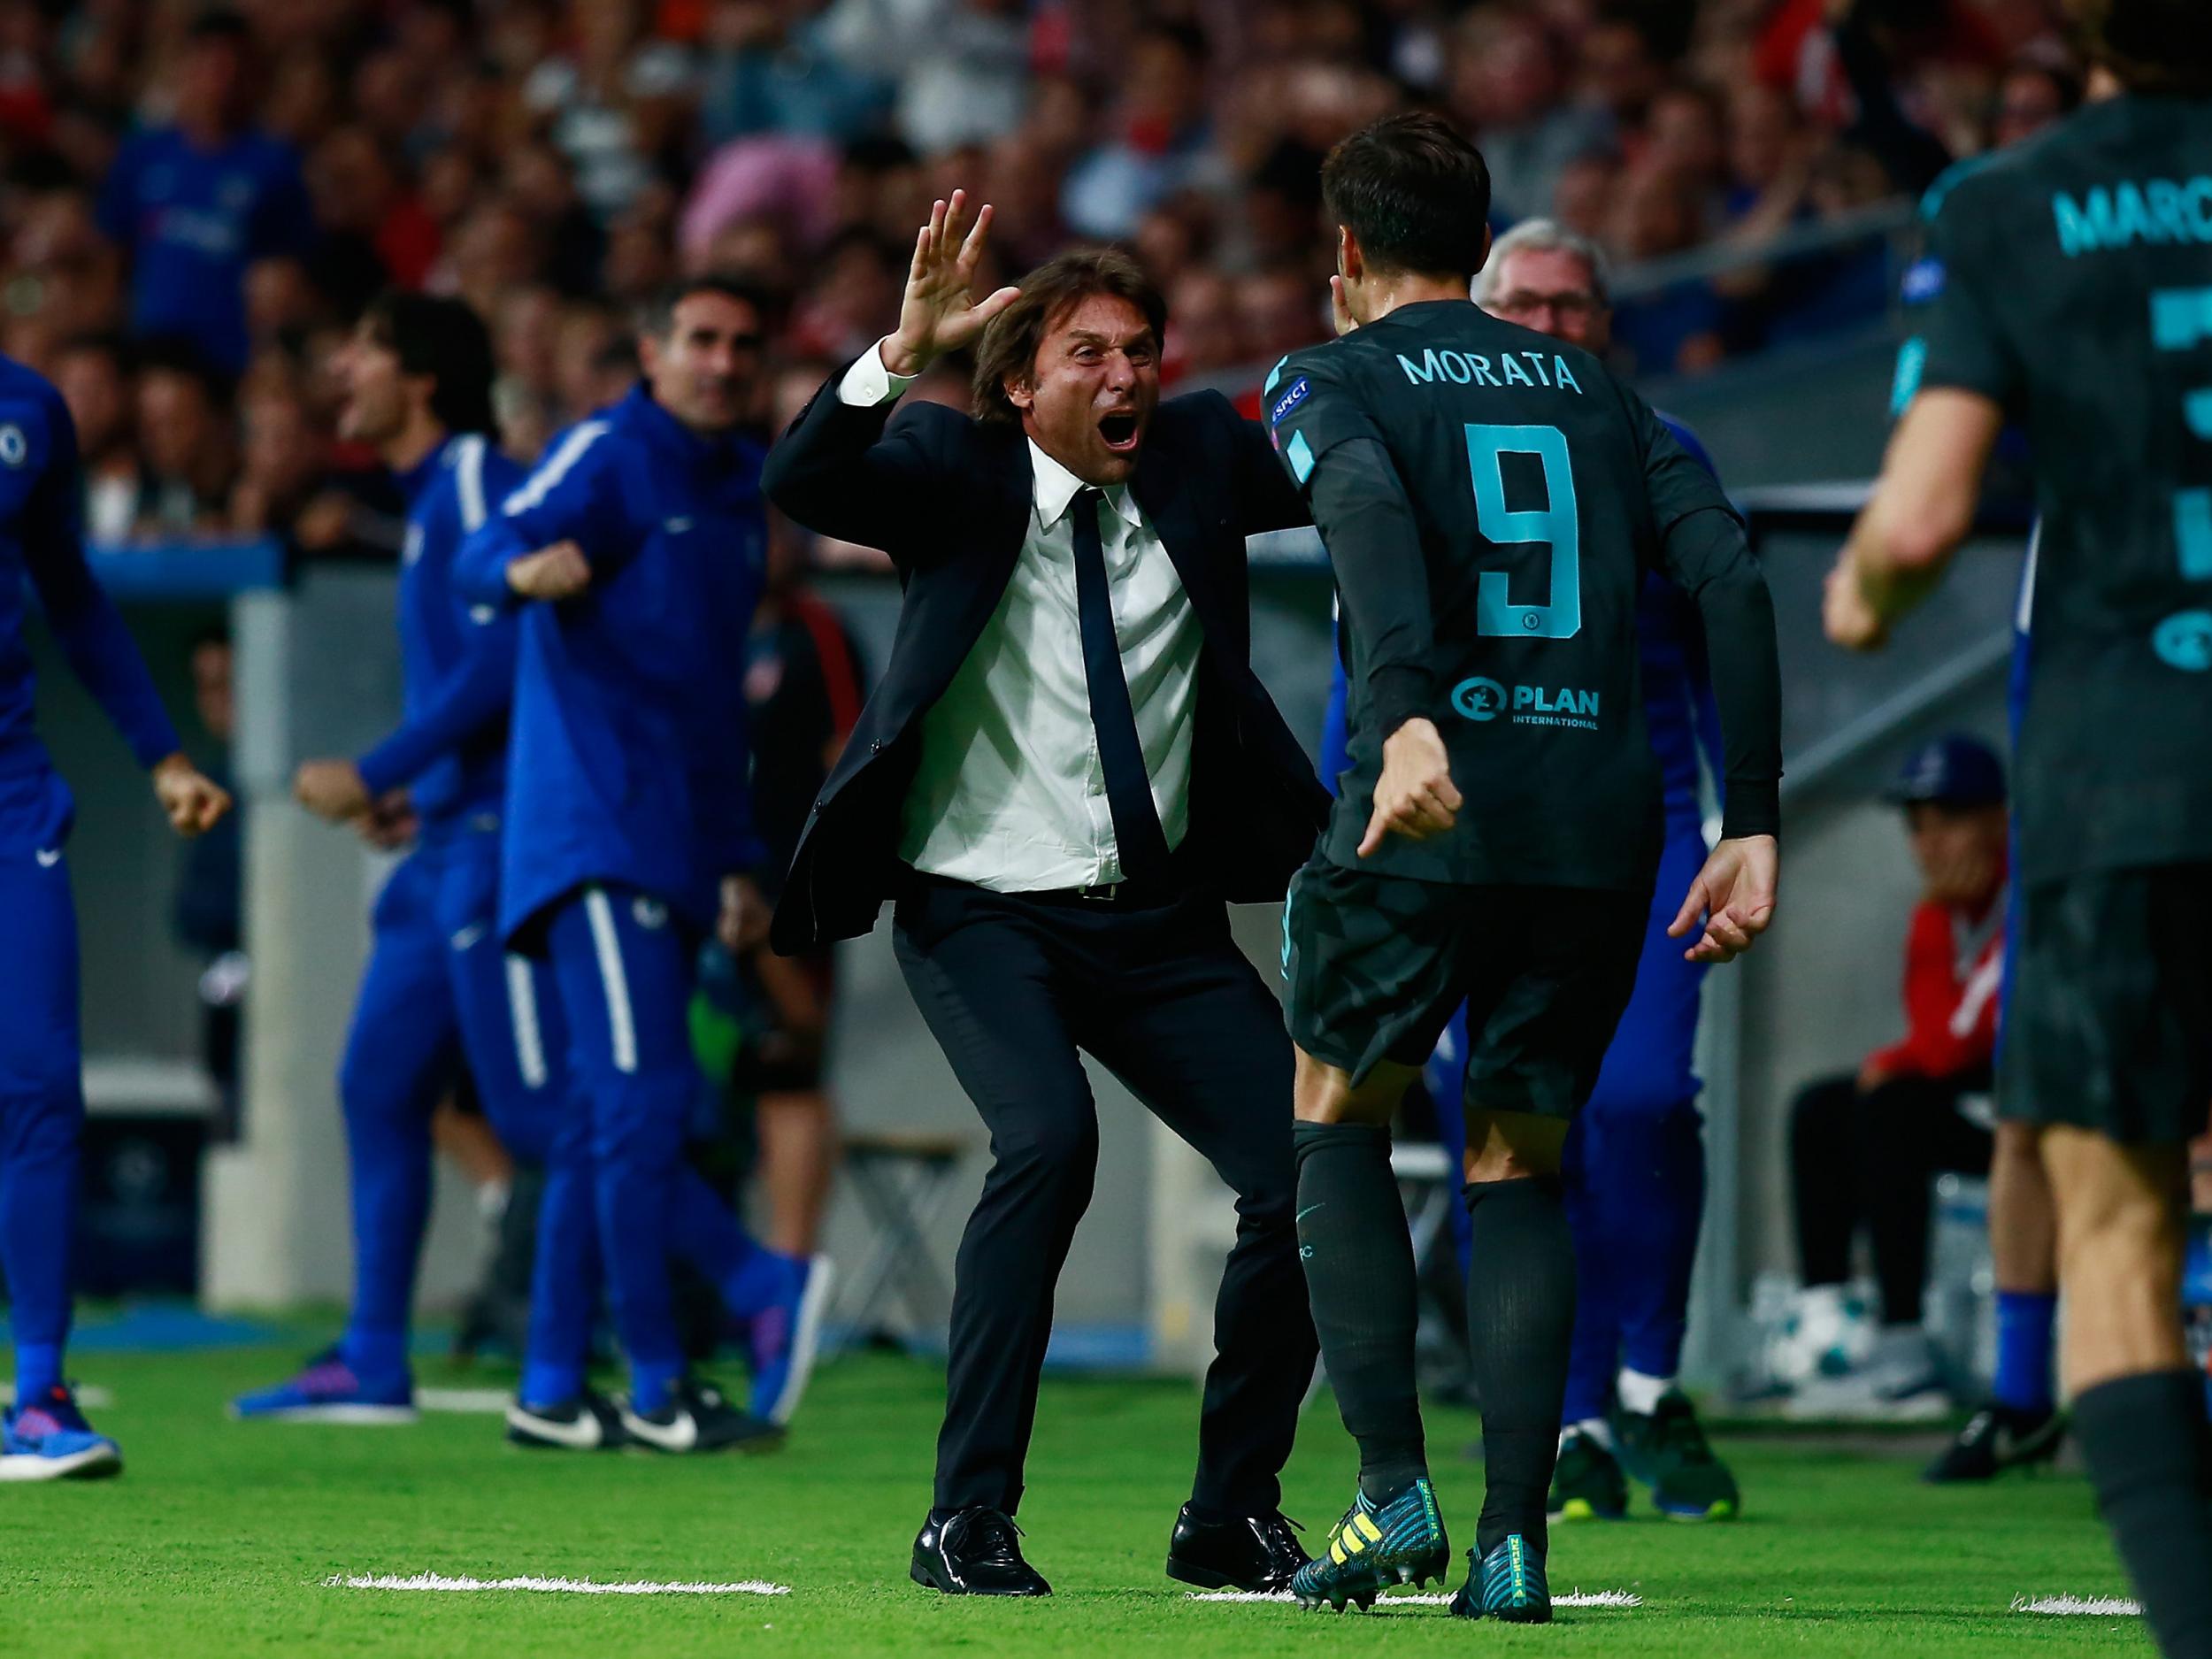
1731	901
1922	509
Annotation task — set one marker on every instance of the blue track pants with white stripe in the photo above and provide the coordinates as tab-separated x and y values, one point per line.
624	964
439	992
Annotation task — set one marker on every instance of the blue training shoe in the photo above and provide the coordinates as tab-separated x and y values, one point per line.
783	1338
328	1390
1507	1584
48	1438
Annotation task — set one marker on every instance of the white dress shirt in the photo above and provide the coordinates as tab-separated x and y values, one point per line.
1010	794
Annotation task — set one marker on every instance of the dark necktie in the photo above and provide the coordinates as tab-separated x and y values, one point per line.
1137	834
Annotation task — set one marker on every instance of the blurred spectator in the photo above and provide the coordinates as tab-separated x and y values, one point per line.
1158	140
205	913
1205	330
1677	329
1864	1148
282	460
805	683
612	98
90	375
960	67
2039	87
185	445
851	296
1280	311
193	203
1509	86
769	70
374	228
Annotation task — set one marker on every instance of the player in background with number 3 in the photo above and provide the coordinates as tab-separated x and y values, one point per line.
1491	499
2067	285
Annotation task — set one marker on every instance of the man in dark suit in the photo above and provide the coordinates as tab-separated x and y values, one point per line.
1067	768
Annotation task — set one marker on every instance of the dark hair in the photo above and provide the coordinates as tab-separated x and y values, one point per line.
219	23
2054	71
656	317
98	343
443	338
180	355
2150	45
1009	347
617	357
1414	193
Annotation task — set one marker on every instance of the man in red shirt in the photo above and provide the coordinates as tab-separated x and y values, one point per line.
1863	1149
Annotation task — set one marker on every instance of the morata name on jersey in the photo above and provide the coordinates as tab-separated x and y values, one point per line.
1469	368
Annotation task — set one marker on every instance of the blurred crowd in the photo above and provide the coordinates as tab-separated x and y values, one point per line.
197	201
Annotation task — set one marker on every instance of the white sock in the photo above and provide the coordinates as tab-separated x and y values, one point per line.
1641	1394
1596	1428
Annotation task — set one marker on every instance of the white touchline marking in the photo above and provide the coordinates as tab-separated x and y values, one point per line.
2091	1606
561	1587
1573	1598
485	1402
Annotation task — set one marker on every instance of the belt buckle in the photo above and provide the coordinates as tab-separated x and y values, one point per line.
1099	891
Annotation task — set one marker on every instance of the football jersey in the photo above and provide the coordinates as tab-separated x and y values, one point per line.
1540	492
2070	279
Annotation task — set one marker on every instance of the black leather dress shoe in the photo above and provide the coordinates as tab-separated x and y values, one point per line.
1233	1552
975	1552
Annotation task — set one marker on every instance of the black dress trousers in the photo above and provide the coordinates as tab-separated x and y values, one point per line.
1013	985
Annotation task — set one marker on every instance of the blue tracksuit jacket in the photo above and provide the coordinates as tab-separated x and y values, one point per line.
628	757
457	659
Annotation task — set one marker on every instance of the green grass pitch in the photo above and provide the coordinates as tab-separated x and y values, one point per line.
219	1538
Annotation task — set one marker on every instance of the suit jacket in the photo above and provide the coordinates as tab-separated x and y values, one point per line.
948	498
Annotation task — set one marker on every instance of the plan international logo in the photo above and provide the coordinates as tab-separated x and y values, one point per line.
1481	699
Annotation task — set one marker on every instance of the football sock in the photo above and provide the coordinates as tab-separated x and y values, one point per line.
2147	1445
1520	1318
37	1368
2024	1319
1641	1394
1360	1278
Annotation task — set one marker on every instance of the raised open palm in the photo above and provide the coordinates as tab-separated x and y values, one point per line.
938	314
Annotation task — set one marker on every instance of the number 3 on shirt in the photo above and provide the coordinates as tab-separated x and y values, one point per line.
1560	616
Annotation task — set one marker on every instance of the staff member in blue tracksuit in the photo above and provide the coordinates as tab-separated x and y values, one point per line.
437	989
637	550
44	1436
1635	1160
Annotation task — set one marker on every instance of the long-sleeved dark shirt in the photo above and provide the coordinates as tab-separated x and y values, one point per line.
1491	500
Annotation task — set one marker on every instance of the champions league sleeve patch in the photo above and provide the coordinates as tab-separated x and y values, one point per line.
1923	280
1293	394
